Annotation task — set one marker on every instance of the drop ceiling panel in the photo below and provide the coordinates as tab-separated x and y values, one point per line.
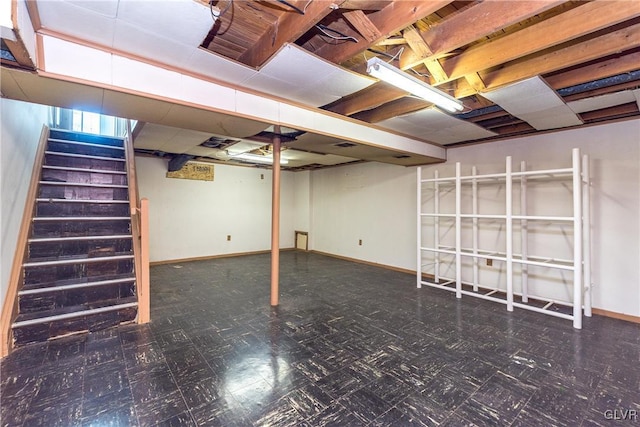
161	48
211	65
80	19
134	107
533	101
212	122
41	90
636	93
202	151
141	77
206	94
327	145
603	101
436	126
9	85
296	74
186	21
66	58
102	7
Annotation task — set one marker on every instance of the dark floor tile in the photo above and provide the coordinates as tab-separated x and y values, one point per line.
164	407
183	419
205	390
153	385
365	404
335	415
103	351
496	402
111	416
219	413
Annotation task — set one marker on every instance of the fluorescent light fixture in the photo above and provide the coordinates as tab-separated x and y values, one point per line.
392	75
257	158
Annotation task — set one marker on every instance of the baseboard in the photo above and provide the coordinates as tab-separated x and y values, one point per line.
615	315
208	257
361	261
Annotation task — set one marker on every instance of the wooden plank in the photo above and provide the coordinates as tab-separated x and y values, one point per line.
600	70
474	23
10	304
580	53
286	30
585	19
363	25
475	81
417	43
628	109
370	97
438	74
393	18
392	109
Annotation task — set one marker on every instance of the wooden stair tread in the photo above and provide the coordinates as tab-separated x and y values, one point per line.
84	156
35	318
80	281
81	259
87	170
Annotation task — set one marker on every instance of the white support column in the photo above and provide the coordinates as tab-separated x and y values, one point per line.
458	233
586	218
577	240
474	191
419	229
524	233
509	228
436	226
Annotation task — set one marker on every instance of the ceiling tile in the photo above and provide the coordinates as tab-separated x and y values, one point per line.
436	126
533	101
603	101
78	20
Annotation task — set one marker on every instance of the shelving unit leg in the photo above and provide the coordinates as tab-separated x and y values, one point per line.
474	191
524	233
419	231
436	226
509	229
586	215
458	233
577	240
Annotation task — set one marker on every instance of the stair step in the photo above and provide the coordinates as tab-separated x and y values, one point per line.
86	144
82	184
45	200
78	280
84	260
78	238
34	319
92	138
72	169
81	218
84	156
47	289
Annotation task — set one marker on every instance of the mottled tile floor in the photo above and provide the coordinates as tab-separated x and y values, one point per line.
350	345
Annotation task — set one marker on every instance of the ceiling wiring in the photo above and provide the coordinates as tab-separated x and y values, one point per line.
340	36
294	7
217	14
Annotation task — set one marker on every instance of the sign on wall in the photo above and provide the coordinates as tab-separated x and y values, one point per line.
197	171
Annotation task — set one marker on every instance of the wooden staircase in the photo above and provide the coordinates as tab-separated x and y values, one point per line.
79	268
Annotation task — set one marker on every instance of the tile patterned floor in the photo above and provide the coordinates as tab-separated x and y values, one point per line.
350	345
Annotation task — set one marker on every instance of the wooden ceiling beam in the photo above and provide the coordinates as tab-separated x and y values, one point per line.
287	29
363	25
580	53
473	23
610	113
600	70
389	20
392	109
366	99
584	19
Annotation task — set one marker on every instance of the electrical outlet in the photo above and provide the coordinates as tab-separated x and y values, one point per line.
489	262
228	237
360	242
261	176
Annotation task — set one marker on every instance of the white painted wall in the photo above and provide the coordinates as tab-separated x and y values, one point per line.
301	200
191	219
377	203
372	202
21	125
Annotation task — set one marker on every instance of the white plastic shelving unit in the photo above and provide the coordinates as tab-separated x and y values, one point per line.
580	265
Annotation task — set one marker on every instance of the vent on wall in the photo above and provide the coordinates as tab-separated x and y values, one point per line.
219	143
344	144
